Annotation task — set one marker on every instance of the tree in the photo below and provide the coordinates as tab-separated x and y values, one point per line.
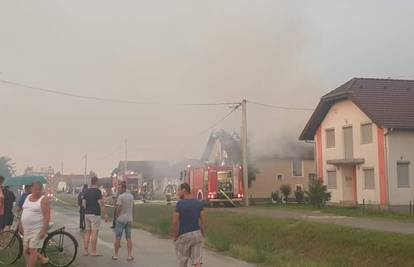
7	167
318	193
285	189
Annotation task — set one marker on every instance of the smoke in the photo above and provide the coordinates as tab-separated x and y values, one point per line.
162	51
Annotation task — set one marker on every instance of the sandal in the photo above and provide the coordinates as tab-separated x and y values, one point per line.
130	258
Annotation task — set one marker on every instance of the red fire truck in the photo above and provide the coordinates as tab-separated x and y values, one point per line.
216	184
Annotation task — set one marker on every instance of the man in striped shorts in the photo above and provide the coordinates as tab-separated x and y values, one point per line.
188	228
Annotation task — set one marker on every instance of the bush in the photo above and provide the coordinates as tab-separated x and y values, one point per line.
276	197
318	193
300	196
286	190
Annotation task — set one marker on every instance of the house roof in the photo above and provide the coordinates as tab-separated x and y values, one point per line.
388	103
229	142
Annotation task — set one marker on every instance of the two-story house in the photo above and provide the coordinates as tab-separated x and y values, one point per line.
364	136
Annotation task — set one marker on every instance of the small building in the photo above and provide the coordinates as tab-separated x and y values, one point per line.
295	170
364	134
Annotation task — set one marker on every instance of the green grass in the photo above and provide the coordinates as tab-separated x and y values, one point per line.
67	199
343	211
272	242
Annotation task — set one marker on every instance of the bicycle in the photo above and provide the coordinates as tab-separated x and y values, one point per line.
60	247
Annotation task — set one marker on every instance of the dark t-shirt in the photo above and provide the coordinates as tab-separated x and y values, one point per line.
190	211
92	197
9	199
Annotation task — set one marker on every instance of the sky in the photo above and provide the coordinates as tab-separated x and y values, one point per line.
285	53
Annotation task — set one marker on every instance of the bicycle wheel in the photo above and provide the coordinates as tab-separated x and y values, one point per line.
61	248
11	247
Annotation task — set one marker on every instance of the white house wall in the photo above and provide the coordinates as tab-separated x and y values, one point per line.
346	113
400	147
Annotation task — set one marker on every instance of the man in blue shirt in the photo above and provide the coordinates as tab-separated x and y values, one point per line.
188	228
23	197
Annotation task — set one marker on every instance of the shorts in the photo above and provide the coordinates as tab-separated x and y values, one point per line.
121	227
31	239
92	222
188	248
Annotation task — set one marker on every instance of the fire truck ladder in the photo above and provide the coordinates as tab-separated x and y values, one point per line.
229	199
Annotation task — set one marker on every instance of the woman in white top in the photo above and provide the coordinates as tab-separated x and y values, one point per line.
35	222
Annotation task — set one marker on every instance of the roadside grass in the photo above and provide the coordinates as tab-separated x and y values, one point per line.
273	242
344	211
67	199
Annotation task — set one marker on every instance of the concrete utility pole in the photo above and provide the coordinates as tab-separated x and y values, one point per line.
86	168
126	157
244	152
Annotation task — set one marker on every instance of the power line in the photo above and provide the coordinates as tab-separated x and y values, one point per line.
279	107
119	101
219	121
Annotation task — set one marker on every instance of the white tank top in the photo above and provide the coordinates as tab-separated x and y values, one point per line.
32	216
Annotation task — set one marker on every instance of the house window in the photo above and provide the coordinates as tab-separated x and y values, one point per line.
297	168
279	177
369	178
332	179
366	133
403	174
330	138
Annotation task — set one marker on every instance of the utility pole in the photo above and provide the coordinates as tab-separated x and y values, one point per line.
86	168
126	157
244	152
61	168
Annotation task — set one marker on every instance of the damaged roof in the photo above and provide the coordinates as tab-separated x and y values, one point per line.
388	103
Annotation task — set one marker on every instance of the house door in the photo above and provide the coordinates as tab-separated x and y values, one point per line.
348	188
348	143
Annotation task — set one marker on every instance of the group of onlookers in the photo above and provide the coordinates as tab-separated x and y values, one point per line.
188	221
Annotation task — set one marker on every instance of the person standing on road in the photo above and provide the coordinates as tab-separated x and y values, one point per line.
124	218
93	204
23	197
1	204
35	222
9	199
188	228
81	208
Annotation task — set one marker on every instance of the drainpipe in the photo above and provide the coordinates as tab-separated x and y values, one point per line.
386	134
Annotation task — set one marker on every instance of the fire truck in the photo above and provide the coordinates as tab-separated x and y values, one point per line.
216	184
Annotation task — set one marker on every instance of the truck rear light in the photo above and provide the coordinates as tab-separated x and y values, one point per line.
211	195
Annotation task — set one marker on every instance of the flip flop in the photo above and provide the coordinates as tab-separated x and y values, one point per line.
115	258
130	258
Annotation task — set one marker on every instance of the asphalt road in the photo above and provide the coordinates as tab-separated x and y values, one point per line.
149	250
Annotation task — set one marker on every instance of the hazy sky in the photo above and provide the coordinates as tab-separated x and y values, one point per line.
276	52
